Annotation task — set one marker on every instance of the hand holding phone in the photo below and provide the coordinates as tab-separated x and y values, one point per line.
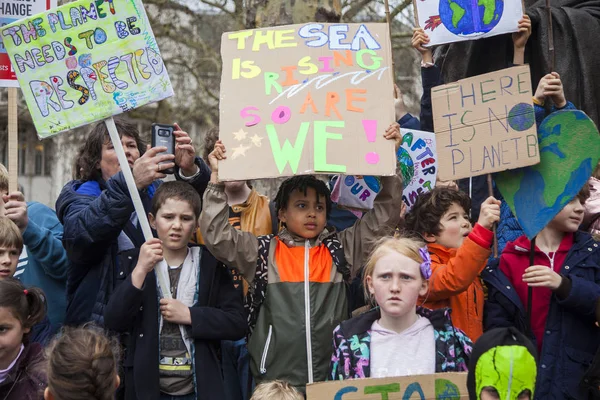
162	135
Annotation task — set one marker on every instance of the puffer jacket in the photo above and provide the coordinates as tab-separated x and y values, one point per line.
352	345
96	216
571	337
27	380
305	296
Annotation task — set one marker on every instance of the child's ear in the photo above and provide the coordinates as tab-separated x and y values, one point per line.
424	288
281	215
152	220
118	382
370	285
429	238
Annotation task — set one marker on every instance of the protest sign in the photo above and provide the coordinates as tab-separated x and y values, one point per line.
419	164
448	386
570	150
447	21
313	98
86	61
356	192
11	11
485	124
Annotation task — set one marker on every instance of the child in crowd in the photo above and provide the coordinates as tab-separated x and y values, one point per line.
173	346
43	262
82	365
11	246
305	268
591	218
565	282
459	253
276	390
398	338
503	366
22	363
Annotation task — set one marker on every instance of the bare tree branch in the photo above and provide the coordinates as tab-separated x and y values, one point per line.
357	6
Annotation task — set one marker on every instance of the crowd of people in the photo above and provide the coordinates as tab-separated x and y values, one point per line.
265	297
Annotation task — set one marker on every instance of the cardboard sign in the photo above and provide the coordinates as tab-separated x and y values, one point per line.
86	61
418	162
448	386
313	98
11	11
485	124
447	21
570	150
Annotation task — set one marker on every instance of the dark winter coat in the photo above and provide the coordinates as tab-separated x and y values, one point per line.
571	337
27	380
93	215
218	315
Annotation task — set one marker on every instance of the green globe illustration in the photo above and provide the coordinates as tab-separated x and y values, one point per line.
470	17
407	166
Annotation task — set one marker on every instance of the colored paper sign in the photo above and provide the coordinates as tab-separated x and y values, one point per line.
312	98
418	162
11	11
356	192
485	124
447	21
86	61
448	386
570	150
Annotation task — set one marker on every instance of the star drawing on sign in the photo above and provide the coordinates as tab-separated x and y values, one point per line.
256	140
239	151
240	135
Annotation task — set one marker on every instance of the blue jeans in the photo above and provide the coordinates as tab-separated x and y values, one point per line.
191	396
236	370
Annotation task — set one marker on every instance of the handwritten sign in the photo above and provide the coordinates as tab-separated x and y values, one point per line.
11	11
447	386
86	61
356	192
570	150
313	98
485	124
418	162
447	21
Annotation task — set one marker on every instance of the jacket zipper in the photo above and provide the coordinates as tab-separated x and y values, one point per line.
307	312
263	360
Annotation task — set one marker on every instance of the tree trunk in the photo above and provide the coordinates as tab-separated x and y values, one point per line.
262	13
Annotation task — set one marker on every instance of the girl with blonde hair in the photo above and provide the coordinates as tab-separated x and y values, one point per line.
398	337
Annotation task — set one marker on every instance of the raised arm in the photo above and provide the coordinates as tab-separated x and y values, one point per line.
231	246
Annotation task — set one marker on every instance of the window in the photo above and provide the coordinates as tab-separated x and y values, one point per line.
39	158
22	158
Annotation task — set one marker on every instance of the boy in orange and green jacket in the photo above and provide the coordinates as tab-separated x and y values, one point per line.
297	293
459	253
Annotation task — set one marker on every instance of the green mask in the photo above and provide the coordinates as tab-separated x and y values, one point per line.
508	369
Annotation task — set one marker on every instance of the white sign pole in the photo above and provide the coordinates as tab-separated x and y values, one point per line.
13	140
135	197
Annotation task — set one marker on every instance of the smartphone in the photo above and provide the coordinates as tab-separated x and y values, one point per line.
162	135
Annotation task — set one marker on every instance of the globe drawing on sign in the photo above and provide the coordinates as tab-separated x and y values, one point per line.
470	17
407	166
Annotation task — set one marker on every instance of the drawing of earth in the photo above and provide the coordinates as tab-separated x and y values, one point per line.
407	166
471	17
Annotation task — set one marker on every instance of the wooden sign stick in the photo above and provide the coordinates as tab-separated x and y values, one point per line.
135	197
389	23
495	226
13	141
550	37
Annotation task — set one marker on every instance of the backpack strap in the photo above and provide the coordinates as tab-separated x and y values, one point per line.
336	249
258	289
